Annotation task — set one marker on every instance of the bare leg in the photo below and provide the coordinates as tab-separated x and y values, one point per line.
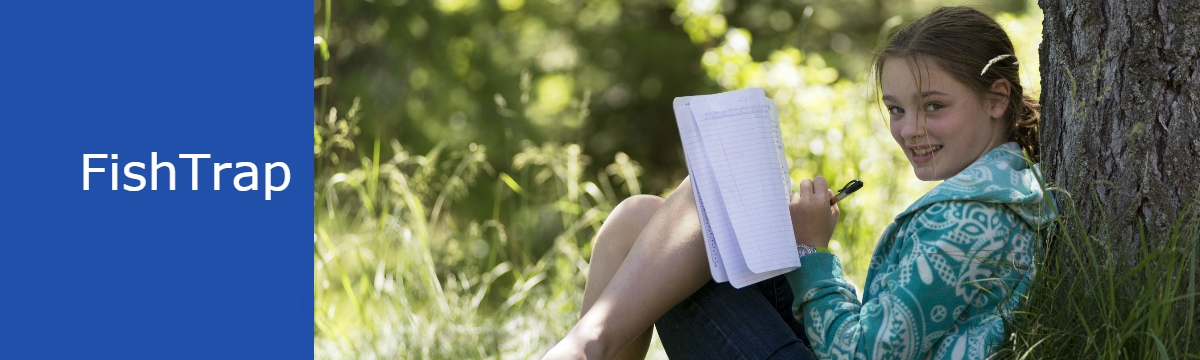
666	265
609	250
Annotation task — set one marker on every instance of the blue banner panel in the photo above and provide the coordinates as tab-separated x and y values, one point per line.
156	172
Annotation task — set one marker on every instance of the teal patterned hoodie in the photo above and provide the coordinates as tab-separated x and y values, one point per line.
943	275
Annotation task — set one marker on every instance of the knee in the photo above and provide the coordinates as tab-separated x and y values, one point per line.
635	210
625	223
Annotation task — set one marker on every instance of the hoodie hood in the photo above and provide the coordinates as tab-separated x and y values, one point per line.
1002	176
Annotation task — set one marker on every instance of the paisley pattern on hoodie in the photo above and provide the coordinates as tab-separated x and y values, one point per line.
944	274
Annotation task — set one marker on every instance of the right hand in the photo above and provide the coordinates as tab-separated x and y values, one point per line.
813	219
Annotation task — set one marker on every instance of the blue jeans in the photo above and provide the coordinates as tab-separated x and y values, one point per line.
720	322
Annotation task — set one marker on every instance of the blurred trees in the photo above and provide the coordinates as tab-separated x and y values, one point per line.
515	76
600	73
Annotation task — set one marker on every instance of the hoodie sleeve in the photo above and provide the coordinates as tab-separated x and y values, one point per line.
940	255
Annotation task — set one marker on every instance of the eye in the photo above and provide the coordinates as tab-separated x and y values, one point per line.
895	110
931	107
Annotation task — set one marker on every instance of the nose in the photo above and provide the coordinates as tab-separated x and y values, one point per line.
910	127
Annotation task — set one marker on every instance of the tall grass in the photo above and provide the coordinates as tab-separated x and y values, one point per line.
396	276
398	273
1097	297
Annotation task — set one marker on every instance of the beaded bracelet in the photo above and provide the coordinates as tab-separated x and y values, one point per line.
804	250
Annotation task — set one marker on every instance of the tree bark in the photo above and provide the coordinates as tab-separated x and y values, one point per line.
1120	130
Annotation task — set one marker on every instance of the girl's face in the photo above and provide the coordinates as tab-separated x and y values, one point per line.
942	125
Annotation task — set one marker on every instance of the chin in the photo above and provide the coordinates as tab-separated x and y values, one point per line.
920	173
926	174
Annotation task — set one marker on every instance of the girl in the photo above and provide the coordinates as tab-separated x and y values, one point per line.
942	277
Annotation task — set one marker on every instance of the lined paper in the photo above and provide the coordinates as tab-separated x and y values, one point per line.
783	163
697	163
739	175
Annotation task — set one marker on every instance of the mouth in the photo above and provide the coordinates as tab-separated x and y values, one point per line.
924	153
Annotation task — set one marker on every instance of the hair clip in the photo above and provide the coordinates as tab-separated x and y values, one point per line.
993	61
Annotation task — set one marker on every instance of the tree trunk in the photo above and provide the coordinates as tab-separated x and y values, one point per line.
1121	98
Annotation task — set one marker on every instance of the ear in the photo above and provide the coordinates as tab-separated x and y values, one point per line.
997	98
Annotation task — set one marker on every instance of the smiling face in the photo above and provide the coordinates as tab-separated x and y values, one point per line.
942	124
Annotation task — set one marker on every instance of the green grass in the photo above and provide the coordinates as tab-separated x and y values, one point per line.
397	276
1103	297
399	273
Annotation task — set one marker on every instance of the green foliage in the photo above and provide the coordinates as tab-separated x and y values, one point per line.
598	73
1094	298
395	277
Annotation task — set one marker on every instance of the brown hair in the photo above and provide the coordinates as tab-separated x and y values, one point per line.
972	47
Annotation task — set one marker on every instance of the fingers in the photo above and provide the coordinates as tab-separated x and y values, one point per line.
806	187
815	186
820	188
819	184
813	217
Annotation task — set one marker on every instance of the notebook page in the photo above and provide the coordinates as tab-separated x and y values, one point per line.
741	149
697	163
738	274
783	163
721	244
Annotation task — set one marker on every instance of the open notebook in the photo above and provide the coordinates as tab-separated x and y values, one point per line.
740	180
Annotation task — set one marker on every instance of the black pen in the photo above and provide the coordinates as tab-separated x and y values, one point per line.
850	188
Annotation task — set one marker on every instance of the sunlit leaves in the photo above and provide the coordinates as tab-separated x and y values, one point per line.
553	95
1026	34
418	78
702	19
459	52
418	27
453	6
511	5
557	52
779	20
599	15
